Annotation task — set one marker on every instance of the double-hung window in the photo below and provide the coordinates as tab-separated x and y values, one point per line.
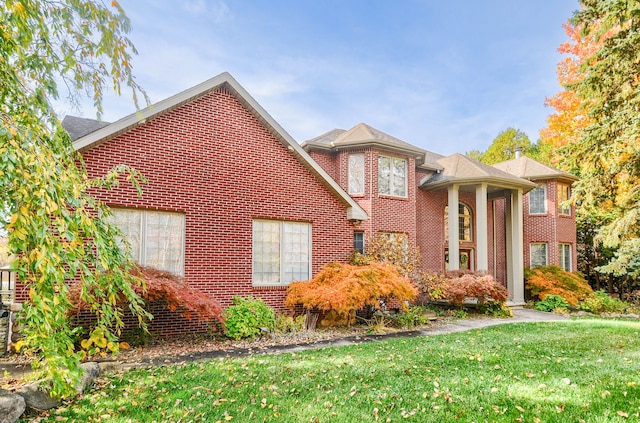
392	176
156	237
565	257
539	255
538	200
281	252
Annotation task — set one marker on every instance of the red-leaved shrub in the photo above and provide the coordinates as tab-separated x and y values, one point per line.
169	288
479	286
346	287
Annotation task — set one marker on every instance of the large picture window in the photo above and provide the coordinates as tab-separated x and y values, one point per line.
539	255
392	176
564	193
281	252
538	200
156	237
356	173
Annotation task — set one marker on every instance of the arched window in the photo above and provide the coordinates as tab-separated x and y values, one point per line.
465	223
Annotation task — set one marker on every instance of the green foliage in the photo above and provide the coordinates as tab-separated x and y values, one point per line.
496	309
601	302
607	157
552	372
552	280
248	317
409	319
45	206
290	324
552	303
503	147
406	319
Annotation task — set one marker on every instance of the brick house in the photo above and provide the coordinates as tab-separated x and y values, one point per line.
232	202
236	206
405	189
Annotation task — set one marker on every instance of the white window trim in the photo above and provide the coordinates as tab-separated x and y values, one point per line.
406	177
280	282
143	229
564	211
461	228
546	244
561	248
544	190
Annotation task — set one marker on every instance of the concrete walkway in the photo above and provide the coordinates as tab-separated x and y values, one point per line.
520	315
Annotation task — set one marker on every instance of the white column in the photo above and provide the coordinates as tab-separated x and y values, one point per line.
454	229
508	226
482	237
517	248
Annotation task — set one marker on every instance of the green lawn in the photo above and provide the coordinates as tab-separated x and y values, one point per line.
573	371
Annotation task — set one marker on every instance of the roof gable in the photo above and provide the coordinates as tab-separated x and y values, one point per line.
527	168
363	135
460	169
224	80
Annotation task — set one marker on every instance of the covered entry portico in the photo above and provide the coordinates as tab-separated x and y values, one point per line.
461	174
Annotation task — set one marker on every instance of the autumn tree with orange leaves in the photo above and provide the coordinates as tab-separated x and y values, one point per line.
597	124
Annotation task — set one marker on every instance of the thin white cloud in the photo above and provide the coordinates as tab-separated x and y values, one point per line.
214	10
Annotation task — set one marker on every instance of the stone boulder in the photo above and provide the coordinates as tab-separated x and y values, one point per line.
11	406
36	398
91	370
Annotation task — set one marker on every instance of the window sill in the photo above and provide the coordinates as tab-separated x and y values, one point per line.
393	197
269	287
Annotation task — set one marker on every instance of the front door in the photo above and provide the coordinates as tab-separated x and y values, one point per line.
466	259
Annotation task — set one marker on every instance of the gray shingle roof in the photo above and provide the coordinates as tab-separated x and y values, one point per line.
460	169
527	168
365	135
78	127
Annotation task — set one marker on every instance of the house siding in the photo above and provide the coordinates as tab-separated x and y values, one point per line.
551	227
214	161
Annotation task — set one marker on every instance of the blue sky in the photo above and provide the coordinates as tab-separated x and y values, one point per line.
446	76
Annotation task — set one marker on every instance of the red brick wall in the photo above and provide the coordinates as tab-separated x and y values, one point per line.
386	213
212	160
551	227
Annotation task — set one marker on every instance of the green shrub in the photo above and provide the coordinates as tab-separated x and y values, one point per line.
248	317
496	309
286	324
601	302
552	303
405	320
552	280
